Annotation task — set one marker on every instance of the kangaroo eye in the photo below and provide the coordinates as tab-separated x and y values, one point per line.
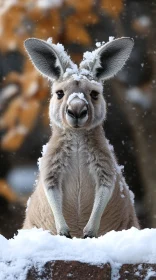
60	94
94	94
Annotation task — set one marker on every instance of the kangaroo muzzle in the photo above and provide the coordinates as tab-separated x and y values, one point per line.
77	112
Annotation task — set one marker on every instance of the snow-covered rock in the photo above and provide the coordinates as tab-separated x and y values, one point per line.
35	247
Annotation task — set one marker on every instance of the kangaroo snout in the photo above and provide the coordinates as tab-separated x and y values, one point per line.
77	112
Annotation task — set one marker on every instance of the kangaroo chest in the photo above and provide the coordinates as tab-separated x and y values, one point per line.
77	171
78	184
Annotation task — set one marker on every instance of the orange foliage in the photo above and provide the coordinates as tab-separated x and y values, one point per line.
10	117
112	7
14	33
47	23
19	119
24	21
14	138
80	5
75	24
75	32
6	192
29	113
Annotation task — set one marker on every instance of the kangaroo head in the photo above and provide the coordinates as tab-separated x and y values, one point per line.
77	100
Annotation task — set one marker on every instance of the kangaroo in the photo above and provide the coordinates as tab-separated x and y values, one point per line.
81	190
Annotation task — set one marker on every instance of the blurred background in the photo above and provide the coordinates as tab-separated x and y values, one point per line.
24	94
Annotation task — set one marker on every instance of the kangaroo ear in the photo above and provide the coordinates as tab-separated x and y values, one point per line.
108	60
47	58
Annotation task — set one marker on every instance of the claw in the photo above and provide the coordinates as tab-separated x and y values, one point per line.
88	235
66	235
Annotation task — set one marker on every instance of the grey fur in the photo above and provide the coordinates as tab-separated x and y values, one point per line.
46	58
109	58
81	190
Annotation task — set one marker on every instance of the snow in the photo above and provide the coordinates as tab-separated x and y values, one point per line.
110	147
71	71
119	168
46	4
78	74
28	202
49	40
137	96
89	58
44	149
98	44
77	77
79	95
132	196
128	246
121	189
84	72
21	179
150	275
144	21
111	38
97	83
39	163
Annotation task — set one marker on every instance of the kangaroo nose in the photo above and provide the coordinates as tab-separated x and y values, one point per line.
77	110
